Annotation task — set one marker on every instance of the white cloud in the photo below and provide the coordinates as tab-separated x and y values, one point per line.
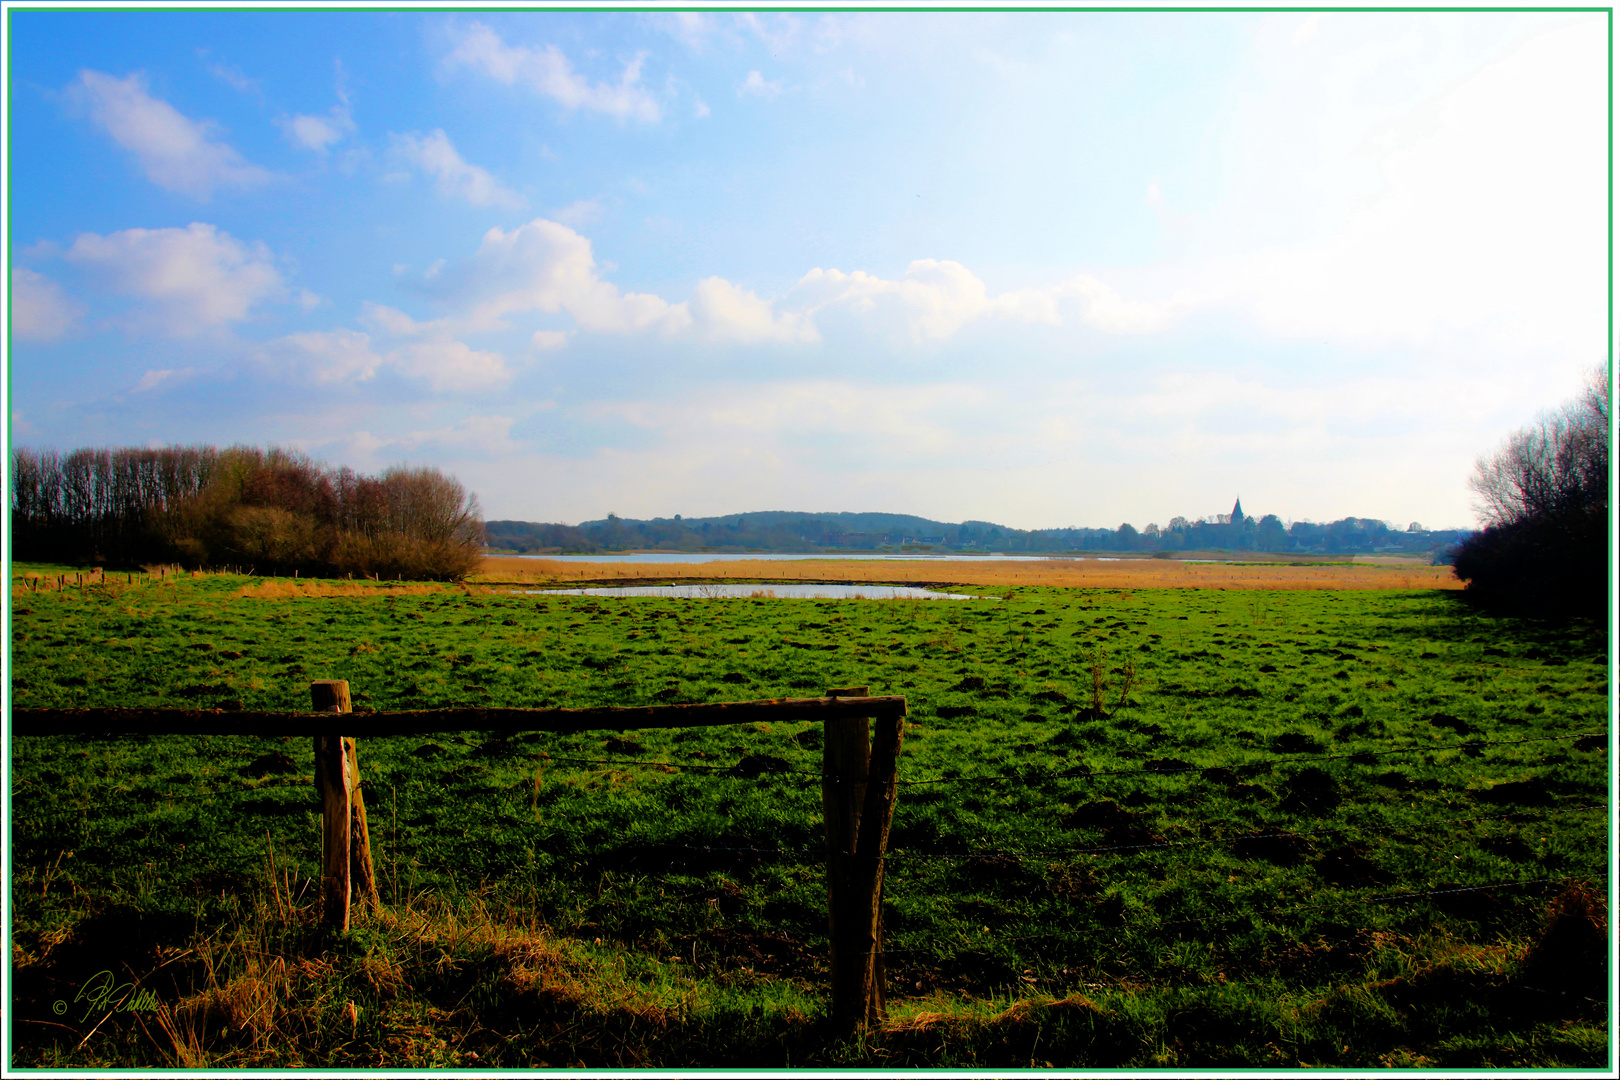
176	152
40	310
392	321
324	356
543	340
435	155
1102	307
318	133
722	311
196	278
756	85
548	72
346	356
546	266
448	364
700	109
934	299
938	297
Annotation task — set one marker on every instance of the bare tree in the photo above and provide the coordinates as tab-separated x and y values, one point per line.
1556	468
1544	500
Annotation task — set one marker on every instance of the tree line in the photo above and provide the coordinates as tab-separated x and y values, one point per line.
797	532
273	509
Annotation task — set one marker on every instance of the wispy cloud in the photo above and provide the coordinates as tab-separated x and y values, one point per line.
429	354
756	85
40	309
236	79
318	133
435	155
176	152
547	71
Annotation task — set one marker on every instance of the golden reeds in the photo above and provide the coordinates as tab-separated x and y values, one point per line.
1062	573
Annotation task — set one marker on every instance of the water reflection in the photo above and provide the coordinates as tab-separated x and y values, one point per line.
797	591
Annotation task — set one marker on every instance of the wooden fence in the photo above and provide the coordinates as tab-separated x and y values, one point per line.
859	770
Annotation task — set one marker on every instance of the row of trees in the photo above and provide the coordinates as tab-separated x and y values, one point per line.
1544	500
790	532
274	509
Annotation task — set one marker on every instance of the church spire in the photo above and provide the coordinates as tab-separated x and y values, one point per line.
1237	511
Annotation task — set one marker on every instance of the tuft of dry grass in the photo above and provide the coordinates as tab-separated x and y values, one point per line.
997	573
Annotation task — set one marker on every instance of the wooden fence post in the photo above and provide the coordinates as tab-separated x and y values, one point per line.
345	840
857	794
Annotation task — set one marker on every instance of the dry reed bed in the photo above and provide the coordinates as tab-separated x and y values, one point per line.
1135	574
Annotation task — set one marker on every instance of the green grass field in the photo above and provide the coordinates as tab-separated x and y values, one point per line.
1304	828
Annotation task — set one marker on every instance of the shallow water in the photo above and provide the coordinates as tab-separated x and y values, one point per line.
799	591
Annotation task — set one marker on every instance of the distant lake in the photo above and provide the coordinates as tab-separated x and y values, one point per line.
712	556
809	591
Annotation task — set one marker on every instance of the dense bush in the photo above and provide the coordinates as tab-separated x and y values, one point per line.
1544	498
274	510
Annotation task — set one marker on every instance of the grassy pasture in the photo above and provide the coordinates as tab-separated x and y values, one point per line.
1307	826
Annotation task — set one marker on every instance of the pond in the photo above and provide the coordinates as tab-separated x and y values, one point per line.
795	591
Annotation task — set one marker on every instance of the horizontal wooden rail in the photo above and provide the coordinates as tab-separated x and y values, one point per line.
424	721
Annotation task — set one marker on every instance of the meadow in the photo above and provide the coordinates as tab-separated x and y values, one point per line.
1256	825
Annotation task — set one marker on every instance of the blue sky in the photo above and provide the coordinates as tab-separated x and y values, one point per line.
1045	269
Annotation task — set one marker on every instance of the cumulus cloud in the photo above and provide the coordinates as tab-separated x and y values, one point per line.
543	340
435	155
177	152
1102	307
40	310
548	72
546	266
195	279
721	311
934	299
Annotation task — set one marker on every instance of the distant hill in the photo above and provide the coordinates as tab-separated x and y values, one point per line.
789	531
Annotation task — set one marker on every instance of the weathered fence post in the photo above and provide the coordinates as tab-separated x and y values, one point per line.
333	786
857	793
345	839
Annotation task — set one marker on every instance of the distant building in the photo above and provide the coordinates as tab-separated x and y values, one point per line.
1237	511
